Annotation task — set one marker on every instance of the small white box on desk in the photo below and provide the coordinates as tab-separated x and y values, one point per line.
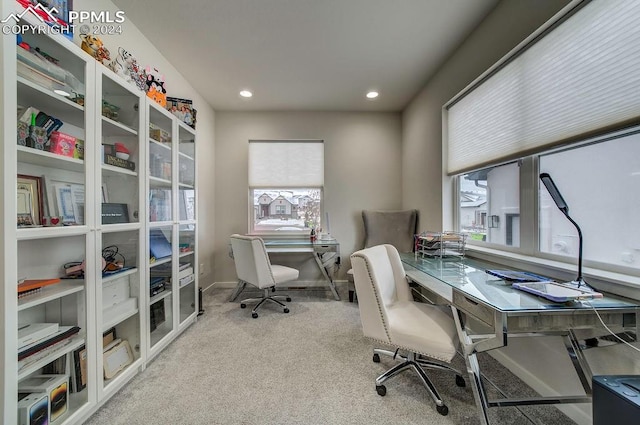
55	386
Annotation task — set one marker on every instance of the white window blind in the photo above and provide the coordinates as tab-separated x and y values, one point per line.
582	76
286	163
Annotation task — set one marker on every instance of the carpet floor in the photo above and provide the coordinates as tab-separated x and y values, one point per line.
311	366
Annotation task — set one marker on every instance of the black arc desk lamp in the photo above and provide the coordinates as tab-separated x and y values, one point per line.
562	206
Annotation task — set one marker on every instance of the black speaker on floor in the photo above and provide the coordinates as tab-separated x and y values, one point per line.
200	308
616	399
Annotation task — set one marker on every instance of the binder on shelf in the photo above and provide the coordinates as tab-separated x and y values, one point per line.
64	332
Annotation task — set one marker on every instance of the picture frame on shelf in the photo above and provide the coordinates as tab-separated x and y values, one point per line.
30	205
68	200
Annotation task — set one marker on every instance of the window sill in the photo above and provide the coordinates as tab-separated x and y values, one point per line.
607	281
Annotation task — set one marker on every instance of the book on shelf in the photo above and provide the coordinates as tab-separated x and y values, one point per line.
29	286
64	332
119	162
30	333
42	353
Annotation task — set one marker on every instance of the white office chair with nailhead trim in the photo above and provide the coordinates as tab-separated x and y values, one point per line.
390	316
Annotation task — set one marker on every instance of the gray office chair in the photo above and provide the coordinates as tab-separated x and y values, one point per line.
390	316
254	267
396	228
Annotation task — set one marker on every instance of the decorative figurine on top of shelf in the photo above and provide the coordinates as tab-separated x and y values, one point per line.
94	46
120	64
155	86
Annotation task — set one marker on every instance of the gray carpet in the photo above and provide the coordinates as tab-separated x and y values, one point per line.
312	366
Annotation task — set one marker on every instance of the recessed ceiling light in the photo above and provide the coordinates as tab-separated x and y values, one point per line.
372	94
246	93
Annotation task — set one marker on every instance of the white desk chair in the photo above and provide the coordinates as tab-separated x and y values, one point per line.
390	315
253	266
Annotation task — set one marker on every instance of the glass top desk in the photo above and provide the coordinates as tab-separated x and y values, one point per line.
326	253
471	292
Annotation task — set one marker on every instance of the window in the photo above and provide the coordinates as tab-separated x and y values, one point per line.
563	102
601	184
285	186
489	207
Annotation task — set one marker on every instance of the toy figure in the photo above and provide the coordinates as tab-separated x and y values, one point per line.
155	86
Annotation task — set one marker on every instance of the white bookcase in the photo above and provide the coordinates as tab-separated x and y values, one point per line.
172	263
109	211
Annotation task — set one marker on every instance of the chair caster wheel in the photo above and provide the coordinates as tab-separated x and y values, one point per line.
243	306
460	381
254	315
382	390
286	310
288	299
376	358
443	410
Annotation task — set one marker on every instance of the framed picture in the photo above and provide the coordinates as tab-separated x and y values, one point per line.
68	201
183	109
30	204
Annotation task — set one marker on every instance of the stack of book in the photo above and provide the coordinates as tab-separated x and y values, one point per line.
45	343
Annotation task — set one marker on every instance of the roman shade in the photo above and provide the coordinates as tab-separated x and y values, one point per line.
286	163
579	77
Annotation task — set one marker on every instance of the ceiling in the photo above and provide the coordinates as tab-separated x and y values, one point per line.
320	55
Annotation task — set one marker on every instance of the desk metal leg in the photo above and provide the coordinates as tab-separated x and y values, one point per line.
473	368
236	292
323	269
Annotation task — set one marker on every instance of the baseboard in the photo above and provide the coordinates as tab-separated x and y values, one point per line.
529	377
301	284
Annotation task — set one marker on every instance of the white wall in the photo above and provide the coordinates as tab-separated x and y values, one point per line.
362	171
148	54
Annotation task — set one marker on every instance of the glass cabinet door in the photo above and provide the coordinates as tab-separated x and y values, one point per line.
160	287
160	164
187	296
119	302
121	153
54	259
186	274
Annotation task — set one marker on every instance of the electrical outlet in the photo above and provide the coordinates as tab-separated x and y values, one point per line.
201	269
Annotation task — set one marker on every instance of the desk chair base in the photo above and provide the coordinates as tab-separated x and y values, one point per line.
417	363
266	297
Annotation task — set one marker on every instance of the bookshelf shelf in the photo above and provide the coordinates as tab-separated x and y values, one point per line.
48	159
115	128
50	293
118	170
31	94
